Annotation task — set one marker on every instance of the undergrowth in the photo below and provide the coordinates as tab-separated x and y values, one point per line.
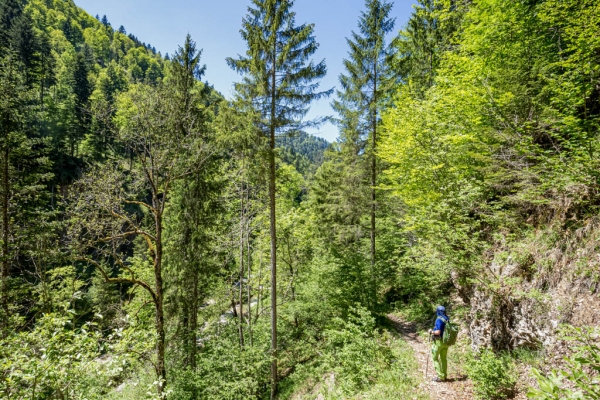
358	360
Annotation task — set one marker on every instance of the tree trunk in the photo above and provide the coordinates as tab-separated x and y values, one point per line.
374	170
260	303
5	219
241	277
5	231
160	319
160	345
194	321
193	312
249	268
273	229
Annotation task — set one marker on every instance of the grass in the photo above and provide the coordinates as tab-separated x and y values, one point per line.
395	379
398	381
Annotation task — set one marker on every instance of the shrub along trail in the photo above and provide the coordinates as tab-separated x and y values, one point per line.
458	386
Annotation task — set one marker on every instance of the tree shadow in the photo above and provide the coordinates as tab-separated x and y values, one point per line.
408	329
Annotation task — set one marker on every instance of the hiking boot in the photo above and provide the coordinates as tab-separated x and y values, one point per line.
436	379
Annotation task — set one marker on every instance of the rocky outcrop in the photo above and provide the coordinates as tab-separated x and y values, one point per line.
522	300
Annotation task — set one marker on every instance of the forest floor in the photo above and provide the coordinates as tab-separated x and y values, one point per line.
457	387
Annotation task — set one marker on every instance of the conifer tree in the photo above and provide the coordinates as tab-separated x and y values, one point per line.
23	41
82	89
193	201
363	90
428	33
279	82
10	12
22	160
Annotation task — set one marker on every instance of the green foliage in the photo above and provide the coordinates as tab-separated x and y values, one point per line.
279	50
578	380
471	141
354	353
493	374
355	360
421	45
56	361
303	151
487	134
225	371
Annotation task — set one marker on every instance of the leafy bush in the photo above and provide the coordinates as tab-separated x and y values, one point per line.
354	352
581	372
356	360
493	374
224	370
56	361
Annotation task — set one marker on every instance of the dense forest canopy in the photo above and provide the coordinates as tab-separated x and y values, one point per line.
161	241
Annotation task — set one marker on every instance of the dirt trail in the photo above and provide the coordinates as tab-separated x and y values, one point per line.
457	387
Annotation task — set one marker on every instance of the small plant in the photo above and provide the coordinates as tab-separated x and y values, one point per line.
493	374
580	374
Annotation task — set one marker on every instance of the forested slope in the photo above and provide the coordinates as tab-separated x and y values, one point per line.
303	151
160	241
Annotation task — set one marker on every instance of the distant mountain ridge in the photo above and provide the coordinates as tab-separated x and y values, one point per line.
304	151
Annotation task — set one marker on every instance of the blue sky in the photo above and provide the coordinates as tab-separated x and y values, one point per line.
215	26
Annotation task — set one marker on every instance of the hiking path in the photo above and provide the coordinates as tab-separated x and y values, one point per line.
457	387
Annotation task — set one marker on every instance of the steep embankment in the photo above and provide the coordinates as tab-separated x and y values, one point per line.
536	284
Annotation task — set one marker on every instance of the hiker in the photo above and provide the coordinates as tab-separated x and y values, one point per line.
439	350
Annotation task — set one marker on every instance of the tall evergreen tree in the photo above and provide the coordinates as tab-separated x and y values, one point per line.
194	203
23	63
364	89
82	89
10	12
279	83
11	110
428	33
23	41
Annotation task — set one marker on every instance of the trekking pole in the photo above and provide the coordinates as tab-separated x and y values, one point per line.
427	355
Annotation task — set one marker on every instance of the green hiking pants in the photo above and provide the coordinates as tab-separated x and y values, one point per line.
439	352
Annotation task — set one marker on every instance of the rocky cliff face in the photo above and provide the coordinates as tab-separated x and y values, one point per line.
531	287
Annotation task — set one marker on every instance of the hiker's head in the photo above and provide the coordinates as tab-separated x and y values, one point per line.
441	311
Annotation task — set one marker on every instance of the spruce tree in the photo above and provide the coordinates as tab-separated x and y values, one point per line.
10	12
194	202
23	41
364	88
25	222
82	89
279	82
23	169
428	34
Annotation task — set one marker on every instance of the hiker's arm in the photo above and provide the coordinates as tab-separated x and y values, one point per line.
436	333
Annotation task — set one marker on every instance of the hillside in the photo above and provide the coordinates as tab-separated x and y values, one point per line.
304	151
79	65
